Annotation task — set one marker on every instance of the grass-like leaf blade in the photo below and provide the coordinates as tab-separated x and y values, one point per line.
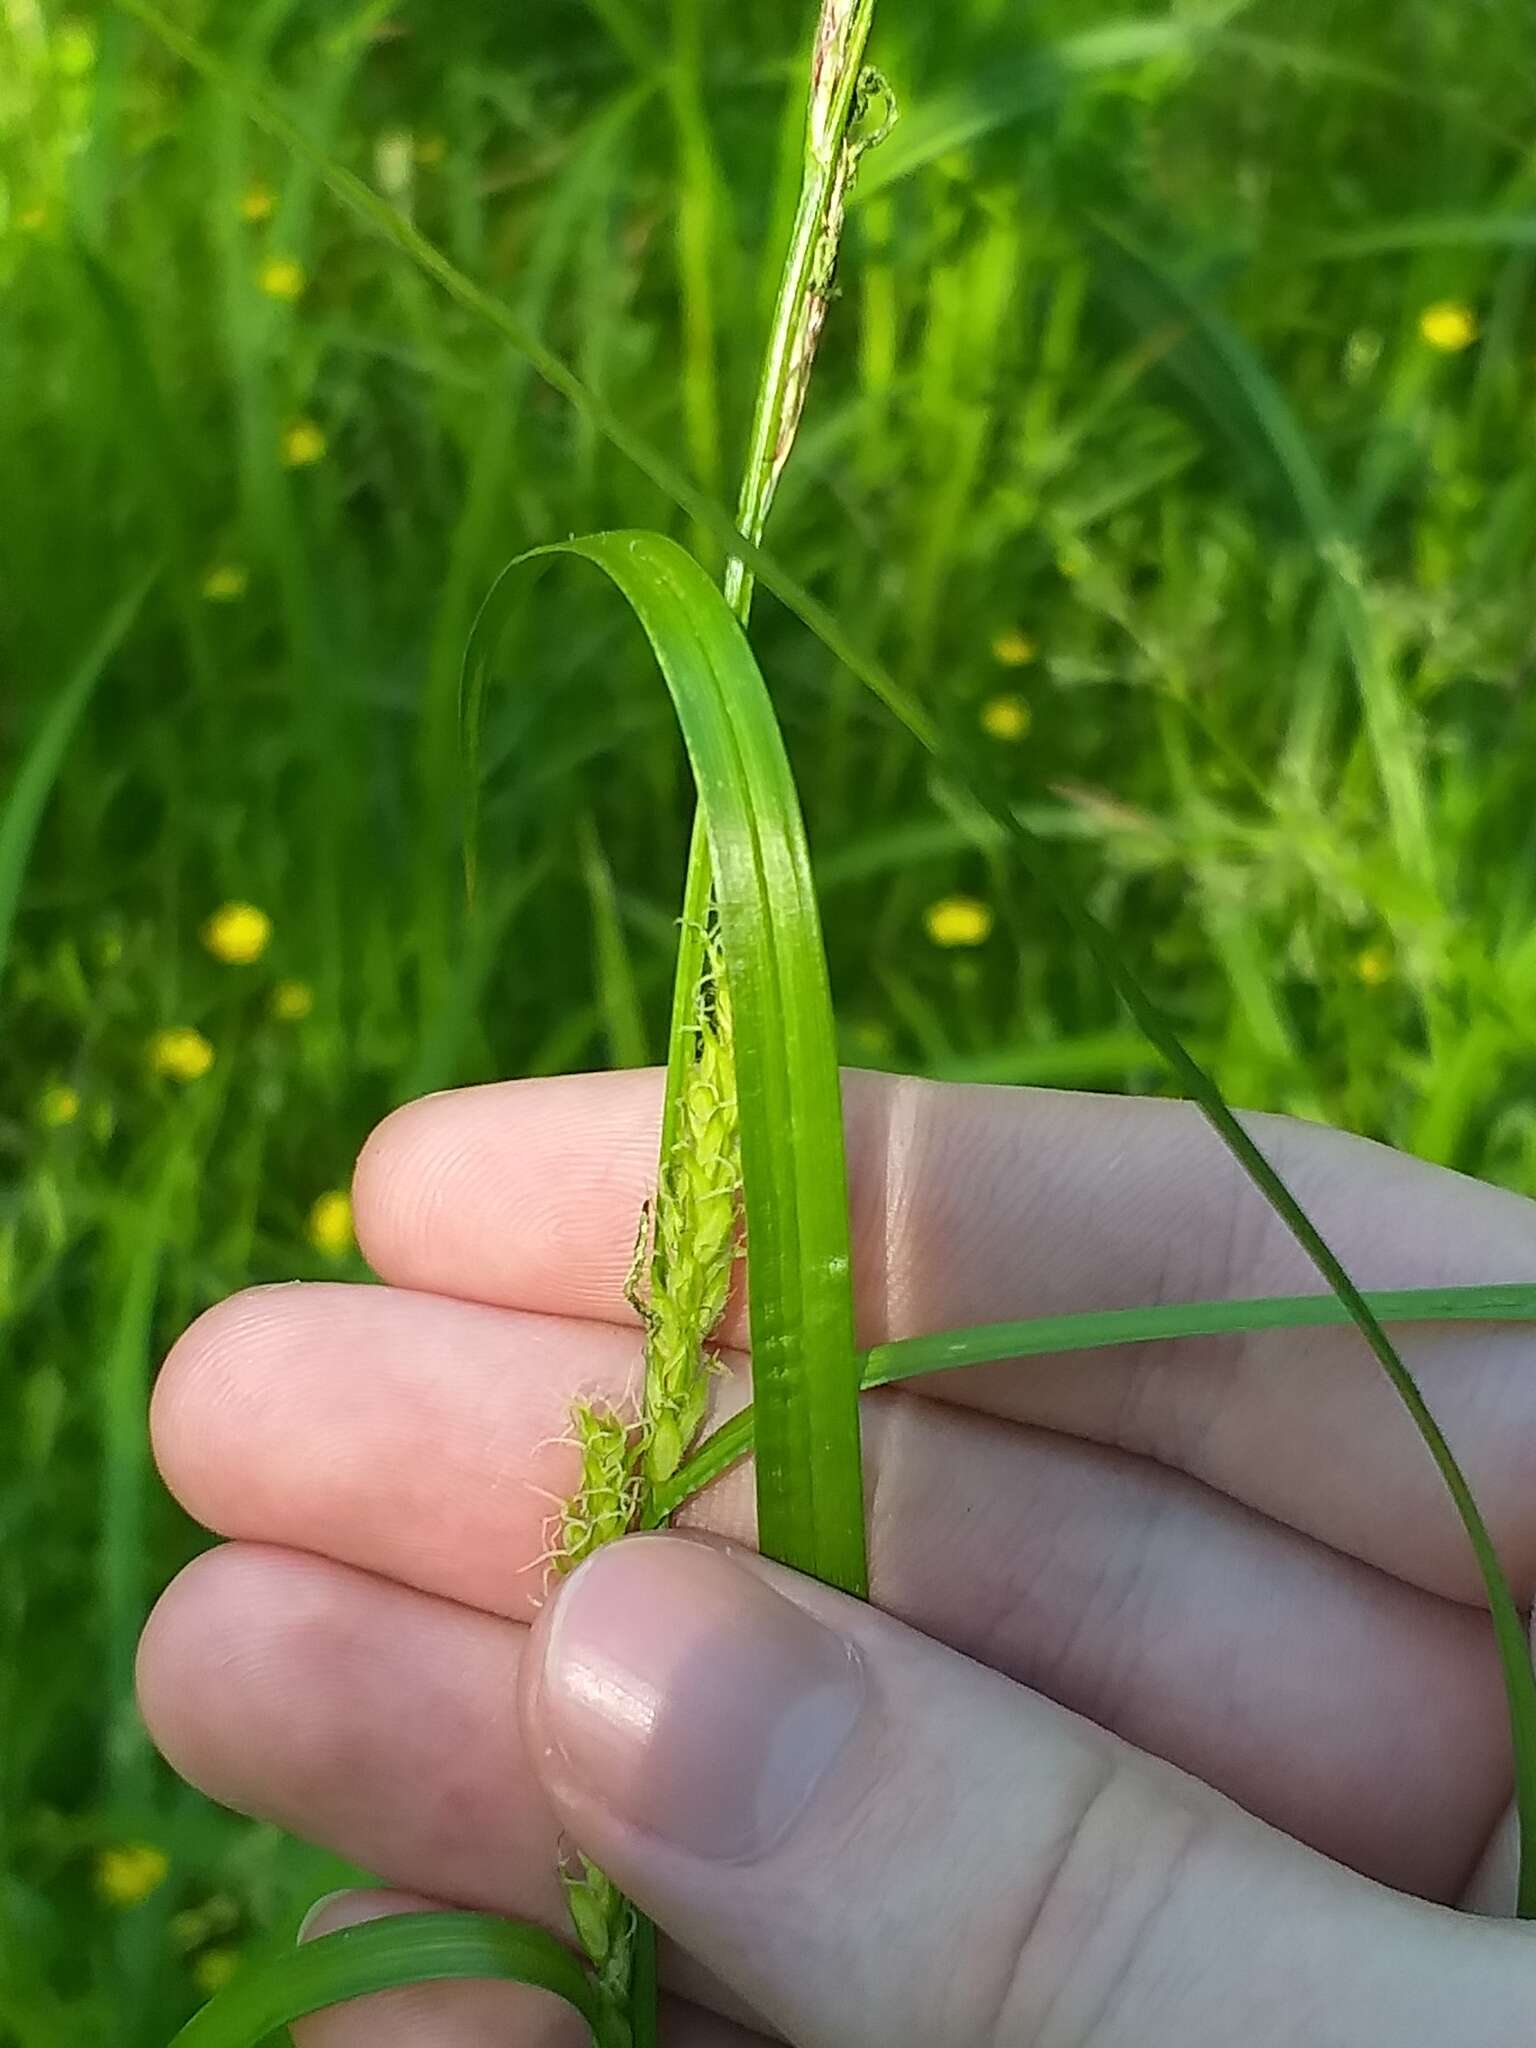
800	1305
382	1955
1227	380
1010	88
24	802
1093	1329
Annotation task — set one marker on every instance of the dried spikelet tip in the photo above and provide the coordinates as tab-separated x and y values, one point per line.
827	62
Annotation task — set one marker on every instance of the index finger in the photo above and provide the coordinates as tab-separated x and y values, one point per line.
978	1205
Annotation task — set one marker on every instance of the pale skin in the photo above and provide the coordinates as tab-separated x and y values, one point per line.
1175	1720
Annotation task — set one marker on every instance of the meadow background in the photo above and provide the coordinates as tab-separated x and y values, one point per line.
1174	433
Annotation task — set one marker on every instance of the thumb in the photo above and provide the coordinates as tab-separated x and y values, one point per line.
872	1840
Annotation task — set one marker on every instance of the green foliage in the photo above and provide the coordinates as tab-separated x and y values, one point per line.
1003	442
414	1948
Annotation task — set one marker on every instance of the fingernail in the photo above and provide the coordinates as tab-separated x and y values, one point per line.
317	1913
687	1696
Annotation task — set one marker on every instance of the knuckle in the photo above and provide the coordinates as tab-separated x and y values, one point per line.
1090	1931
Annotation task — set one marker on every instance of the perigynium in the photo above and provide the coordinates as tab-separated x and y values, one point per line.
678	1285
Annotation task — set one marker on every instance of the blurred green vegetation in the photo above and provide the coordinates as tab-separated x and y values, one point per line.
1132	447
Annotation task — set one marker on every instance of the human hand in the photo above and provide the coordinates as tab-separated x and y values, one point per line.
885	1825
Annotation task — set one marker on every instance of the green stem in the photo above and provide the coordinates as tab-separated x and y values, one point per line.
830	160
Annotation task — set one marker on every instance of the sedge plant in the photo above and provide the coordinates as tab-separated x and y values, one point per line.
751	1146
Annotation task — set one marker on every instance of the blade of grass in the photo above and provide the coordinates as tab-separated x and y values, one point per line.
1005	92
697	242
908	1358
1098	942
153	439
132	1256
28	795
1001	93
613	969
409	1948
1063	1062
1228	380
1424	231
794	1181
627	30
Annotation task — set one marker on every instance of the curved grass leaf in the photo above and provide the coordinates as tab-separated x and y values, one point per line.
800	1302
1422	231
22	810
1092	1330
1230	383
382	1955
982	783
1002	92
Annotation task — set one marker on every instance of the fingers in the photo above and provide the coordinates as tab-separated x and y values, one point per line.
418	1438
358	1714
975	1205
875	1841
364	1716
424	1438
471	2015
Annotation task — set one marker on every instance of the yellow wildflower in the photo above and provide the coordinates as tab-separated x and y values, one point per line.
1374	966
292	1001
1014	649
130	1872
1449	326
959	921
1006	718
237	934
282	278
329	1228
303	444
226	582
180	1054
213	1969
58	1105
256	204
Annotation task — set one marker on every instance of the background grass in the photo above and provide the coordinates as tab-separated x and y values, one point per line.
1127	374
